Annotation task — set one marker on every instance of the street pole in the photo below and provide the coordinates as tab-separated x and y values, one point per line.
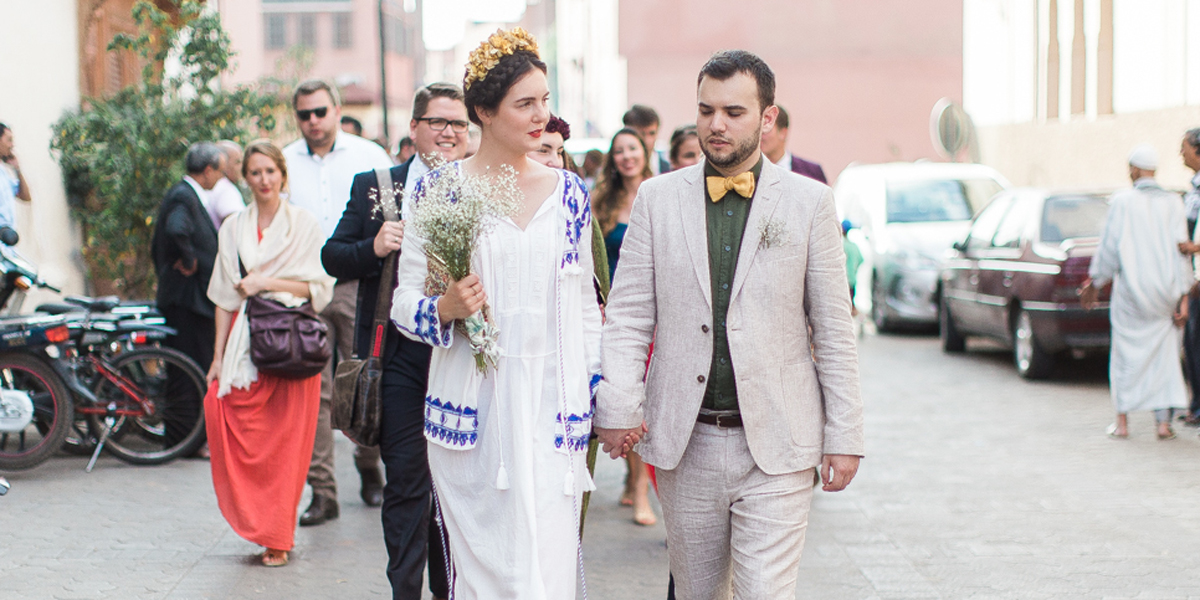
383	93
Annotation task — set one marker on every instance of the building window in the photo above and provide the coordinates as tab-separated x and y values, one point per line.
307	34
276	34
341	30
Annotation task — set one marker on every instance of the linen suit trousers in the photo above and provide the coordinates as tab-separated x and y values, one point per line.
339	318
732	530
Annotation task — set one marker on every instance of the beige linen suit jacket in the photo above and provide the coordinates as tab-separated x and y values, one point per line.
795	409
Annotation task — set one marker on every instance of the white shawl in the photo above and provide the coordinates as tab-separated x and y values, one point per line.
290	249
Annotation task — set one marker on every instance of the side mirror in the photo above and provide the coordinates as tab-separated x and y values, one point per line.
8	236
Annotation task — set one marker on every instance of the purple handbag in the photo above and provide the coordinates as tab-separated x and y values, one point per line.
286	342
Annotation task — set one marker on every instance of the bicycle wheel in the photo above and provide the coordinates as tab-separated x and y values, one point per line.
36	411
173	386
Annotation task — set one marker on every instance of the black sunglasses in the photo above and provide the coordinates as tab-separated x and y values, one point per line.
438	124
305	115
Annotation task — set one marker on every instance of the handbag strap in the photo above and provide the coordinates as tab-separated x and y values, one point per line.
383	304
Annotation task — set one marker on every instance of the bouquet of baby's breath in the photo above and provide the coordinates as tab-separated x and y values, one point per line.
451	213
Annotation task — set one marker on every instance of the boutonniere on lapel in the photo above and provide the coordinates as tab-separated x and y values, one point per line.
771	233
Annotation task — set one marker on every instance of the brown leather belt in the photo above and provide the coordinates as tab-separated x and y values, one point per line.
720	420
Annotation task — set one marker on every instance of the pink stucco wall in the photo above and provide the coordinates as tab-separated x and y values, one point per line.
243	20
858	78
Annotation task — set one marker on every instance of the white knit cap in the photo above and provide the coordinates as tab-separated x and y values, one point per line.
1144	157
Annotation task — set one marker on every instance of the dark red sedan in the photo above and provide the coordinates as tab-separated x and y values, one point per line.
1015	278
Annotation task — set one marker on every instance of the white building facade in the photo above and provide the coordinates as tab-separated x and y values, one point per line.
1061	90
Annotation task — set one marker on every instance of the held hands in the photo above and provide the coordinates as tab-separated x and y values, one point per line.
251	285
389	238
462	299
619	442
837	470
1189	248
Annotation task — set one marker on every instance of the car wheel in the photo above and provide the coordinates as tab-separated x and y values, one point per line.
952	340
878	304
1031	360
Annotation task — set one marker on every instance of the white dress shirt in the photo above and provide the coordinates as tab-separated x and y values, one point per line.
1191	199
321	185
223	200
785	161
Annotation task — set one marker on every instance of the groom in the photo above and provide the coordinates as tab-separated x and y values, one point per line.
725	266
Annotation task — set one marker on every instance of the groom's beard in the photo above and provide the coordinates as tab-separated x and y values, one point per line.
735	155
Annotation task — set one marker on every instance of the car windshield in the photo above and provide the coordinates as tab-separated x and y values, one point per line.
1073	217
938	199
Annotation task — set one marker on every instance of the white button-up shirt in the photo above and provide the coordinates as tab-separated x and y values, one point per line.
321	185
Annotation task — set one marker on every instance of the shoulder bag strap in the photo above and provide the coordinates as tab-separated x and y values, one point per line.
383	304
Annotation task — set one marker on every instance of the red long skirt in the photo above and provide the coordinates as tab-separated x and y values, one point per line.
260	440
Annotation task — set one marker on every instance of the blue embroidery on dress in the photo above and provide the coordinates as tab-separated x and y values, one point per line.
427	325
595	383
457	426
578	430
579	216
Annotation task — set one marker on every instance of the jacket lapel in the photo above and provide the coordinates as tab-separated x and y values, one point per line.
766	199
199	212
695	227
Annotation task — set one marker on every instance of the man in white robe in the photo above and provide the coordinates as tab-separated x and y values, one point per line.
1139	254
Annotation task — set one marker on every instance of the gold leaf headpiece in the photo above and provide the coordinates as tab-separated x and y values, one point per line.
500	44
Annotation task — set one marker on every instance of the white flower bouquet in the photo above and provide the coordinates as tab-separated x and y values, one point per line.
451	213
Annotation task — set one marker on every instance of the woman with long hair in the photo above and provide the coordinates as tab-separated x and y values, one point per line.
508	444
261	427
626	166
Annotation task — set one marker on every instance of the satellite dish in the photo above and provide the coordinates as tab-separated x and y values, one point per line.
952	130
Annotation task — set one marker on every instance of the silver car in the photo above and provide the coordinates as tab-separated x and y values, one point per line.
907	215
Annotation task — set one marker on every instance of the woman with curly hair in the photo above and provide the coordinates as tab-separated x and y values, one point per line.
626	166
508	446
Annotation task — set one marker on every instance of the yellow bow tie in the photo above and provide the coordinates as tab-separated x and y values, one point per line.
743	184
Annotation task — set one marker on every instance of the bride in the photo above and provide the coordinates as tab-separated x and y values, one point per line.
507	447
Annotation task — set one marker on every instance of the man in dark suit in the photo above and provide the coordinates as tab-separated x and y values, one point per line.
356	251
185	248
774	145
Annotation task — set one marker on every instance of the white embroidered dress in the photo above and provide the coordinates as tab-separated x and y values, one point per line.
508	470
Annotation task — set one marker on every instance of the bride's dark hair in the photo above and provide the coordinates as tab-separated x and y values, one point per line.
489	91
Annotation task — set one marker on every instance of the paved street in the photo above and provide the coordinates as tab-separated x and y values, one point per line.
977	485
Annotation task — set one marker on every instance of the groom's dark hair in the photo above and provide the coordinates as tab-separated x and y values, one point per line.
727	63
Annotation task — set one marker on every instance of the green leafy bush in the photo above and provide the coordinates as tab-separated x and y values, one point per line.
121	154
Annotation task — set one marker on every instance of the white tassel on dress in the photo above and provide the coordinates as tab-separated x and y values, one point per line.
502	478
569	483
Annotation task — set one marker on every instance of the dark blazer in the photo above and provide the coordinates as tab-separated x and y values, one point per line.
349	254
184	231
808	169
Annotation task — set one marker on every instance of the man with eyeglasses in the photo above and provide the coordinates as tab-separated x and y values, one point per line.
321	167
356	252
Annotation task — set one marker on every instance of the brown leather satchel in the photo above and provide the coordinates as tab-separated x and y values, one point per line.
357	403
288	342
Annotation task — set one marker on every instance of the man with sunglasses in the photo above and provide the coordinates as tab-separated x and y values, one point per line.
356	252
321	167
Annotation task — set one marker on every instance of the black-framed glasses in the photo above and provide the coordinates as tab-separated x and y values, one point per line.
439	124
305	115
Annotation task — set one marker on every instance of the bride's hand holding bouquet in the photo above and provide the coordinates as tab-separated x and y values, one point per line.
462	299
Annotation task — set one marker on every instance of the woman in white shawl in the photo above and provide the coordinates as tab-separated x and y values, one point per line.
260	427
507	448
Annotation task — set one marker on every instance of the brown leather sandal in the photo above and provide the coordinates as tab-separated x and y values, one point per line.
274	558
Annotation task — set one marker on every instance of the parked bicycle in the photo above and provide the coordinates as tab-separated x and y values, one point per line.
140	401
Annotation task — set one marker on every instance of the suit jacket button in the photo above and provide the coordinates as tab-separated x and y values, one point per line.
700	378
704	328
